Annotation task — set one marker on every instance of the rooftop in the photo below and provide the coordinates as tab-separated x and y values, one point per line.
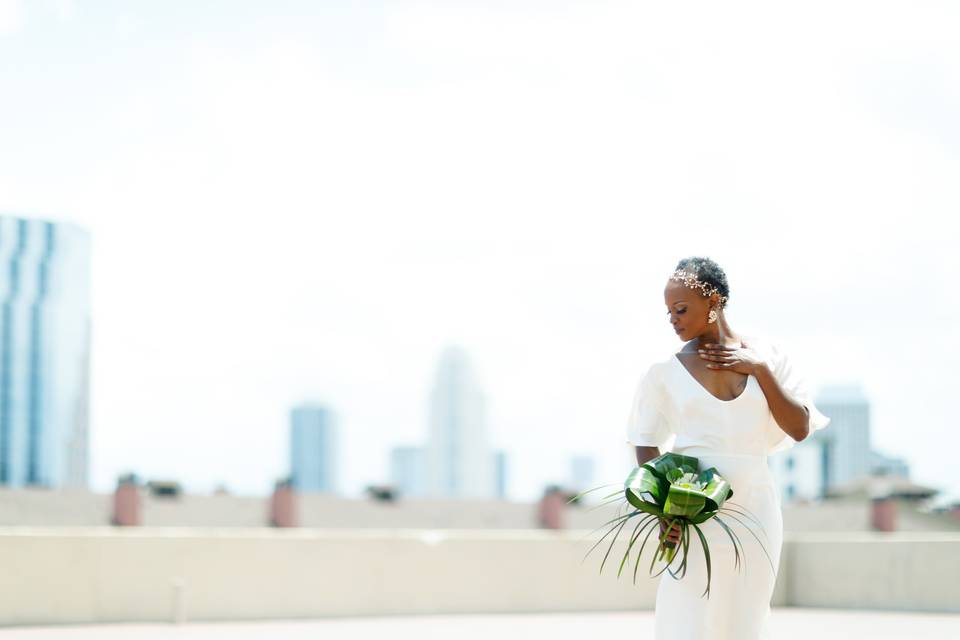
786	623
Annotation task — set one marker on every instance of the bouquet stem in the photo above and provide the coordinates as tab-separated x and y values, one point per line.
671	490
668	549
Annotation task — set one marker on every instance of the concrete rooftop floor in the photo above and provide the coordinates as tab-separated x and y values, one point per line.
786	624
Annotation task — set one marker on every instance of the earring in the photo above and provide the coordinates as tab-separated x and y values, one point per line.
712	316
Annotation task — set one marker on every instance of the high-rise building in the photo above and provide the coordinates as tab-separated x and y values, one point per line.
313	449
408	470
831	457
581	473
44	353
459	460
847	452
800	470
500	474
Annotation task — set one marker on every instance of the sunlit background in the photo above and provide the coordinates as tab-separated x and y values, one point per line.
399	266
307	202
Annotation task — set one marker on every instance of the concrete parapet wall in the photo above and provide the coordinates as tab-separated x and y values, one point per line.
898	571
69	575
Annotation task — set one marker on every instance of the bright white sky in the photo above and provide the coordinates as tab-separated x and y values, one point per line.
292	202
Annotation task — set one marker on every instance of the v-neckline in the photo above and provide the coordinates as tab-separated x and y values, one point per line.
676	357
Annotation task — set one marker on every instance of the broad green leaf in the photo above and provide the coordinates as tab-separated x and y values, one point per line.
684	502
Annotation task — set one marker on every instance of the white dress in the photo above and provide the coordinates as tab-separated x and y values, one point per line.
735	436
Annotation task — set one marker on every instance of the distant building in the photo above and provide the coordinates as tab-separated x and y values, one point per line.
800	470
836	456
847	438
408	470
44	353
582	470
459	460
500	474
313	449
881	465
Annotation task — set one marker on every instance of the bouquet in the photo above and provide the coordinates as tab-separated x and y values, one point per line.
671	489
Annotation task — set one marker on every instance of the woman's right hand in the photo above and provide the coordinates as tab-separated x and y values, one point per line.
674	535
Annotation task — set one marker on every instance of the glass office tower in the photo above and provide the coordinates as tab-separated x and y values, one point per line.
313	449
44	353
460	462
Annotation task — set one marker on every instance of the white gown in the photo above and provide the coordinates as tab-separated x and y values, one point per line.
735	436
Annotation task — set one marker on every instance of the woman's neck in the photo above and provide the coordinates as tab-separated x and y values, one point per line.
721	333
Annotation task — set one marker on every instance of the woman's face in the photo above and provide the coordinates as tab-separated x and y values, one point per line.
686	309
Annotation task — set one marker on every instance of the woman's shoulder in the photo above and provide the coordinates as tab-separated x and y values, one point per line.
771	348
751	337
659	367
759	342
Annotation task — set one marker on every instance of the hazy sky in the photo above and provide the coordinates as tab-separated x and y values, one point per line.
301	200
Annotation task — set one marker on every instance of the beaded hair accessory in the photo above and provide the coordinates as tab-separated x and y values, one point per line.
690	280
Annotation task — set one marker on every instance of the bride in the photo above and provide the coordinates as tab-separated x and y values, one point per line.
730	400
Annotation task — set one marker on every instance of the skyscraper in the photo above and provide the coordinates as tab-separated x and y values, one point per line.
800	471
313	449
500	474
408	470
834	456
847	453
581	472
459	459
44	353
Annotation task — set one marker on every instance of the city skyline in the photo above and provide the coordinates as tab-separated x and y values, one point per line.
839	456
852	458
310	201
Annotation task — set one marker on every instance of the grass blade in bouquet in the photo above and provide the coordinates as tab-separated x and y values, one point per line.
673	490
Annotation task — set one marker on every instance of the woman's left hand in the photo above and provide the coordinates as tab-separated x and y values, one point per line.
742	359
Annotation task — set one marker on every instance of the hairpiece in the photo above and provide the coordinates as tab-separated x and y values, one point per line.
691	280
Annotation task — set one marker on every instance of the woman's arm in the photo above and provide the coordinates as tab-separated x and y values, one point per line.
646	453
793	417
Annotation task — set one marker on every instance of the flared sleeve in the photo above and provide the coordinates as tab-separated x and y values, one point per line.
794	383
647	426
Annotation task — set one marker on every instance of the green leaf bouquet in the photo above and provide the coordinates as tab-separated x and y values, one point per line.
671	489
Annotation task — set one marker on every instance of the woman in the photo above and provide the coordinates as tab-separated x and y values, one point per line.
730	400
